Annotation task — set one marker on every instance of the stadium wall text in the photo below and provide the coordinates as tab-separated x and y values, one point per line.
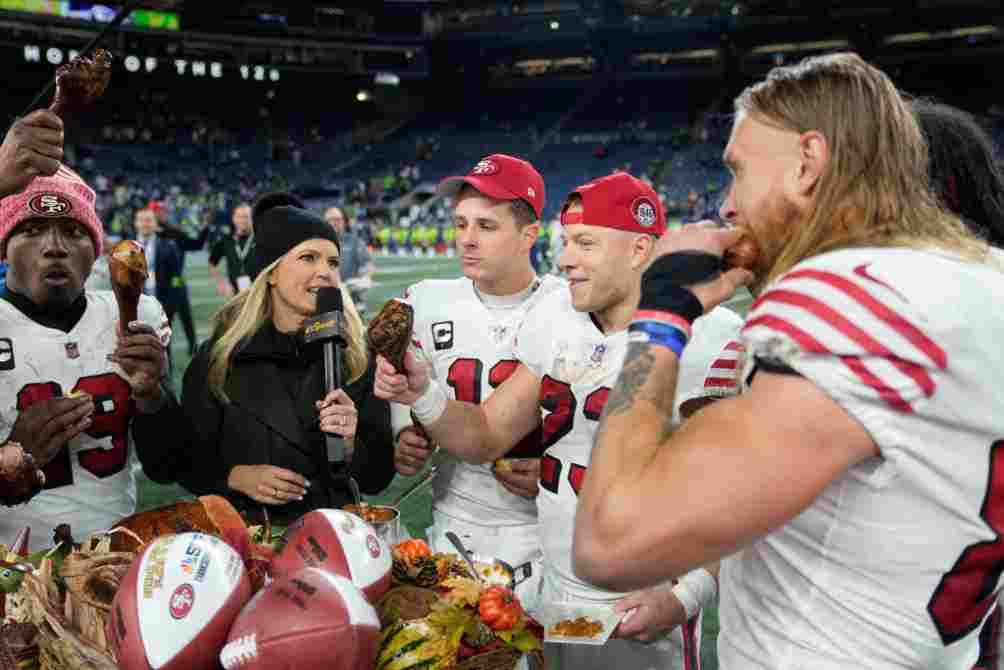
183	67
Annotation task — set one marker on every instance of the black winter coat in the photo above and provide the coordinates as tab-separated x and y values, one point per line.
273	383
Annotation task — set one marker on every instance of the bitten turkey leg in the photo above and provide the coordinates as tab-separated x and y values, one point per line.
128	270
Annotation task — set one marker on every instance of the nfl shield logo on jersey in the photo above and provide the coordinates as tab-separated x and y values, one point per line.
72	350
6	353
596	359
442	335
499	333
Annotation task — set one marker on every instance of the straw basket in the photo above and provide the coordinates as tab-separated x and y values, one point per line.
71	629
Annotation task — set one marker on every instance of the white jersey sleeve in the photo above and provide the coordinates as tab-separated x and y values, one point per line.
897	560
853	335
712	357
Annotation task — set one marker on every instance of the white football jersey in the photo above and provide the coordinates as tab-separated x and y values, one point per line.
469	346
897	563
578	365
90	484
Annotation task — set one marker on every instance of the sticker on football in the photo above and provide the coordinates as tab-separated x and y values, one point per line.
174	608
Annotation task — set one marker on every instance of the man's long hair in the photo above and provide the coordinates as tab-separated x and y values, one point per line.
964	169
874	189
244	314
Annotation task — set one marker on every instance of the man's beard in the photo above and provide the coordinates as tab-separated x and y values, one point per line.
781	230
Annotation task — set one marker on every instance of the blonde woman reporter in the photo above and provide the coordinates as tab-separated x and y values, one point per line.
253	399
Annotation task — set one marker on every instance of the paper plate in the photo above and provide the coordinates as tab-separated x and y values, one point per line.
549	614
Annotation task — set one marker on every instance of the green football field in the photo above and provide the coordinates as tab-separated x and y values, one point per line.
394	274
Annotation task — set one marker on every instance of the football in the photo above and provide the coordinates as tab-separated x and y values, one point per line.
341	543
175	606
309	620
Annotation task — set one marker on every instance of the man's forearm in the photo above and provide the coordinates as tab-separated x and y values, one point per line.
464	431
636	422
637	419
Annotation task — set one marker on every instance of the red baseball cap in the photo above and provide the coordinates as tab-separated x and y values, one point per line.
502	177
618	201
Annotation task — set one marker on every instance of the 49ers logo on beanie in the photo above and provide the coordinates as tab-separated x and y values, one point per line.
50	204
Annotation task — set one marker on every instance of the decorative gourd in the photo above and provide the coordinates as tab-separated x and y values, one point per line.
415	645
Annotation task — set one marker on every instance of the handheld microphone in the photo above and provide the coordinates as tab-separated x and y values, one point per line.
328	327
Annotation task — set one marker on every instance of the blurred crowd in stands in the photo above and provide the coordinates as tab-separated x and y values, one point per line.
383	180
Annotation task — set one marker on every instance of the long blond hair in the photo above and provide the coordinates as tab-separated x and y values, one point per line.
244	314
874	190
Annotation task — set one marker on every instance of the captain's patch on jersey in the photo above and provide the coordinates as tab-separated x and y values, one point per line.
442	335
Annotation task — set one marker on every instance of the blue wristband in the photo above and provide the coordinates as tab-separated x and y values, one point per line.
660	334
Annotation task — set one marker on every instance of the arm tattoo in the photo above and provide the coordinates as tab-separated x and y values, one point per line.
638	364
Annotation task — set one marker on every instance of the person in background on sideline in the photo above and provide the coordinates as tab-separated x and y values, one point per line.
356	267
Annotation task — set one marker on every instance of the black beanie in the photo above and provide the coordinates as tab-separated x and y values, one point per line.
280	222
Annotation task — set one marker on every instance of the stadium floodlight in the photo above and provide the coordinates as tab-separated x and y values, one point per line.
555	25
363	96
387	79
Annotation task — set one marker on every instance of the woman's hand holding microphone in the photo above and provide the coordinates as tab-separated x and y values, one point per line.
272	485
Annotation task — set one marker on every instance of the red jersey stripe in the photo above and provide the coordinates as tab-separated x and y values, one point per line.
910	332
811	344
842	324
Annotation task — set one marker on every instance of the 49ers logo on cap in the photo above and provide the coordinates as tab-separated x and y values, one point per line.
485	167
50	204
644	212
